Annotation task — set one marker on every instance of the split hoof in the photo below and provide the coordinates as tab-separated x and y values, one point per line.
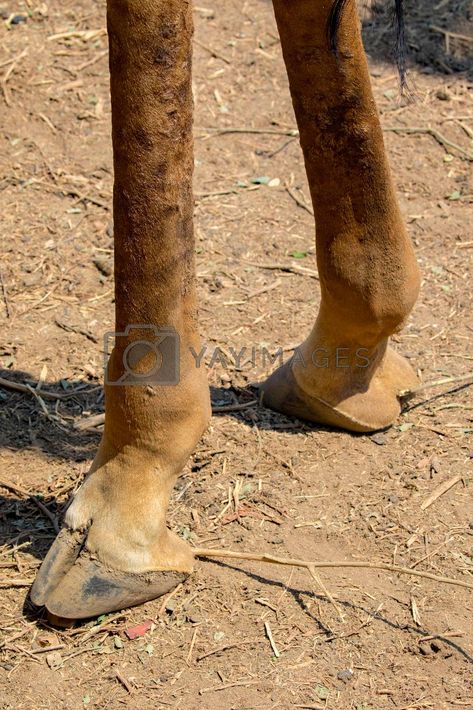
73	584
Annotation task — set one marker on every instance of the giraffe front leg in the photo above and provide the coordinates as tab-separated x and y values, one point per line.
345	373
115	549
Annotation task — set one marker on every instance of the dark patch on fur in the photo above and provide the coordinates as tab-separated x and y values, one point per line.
143	138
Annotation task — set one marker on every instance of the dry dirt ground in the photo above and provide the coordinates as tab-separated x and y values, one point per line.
258	481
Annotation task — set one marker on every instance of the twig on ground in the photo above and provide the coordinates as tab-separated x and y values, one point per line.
96	648
211	132
407	394
124	681
298	201
234	407
192	644
95	59
41	403
225	686
90	422
444	142
48	649
6	642
440	490
166	599
289	562
7	583
211	51
265	289
318	581
447	34
228	646
287	268
24	494
432	553
5	296
281	147
103	626
87	198
48	122
19	387
217	193
79	34
8	73
465	128
76	329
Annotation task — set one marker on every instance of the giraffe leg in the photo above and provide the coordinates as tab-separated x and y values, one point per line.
115	549
345	373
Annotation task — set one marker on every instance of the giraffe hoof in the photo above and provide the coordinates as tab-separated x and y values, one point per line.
281	393
73	584
353	405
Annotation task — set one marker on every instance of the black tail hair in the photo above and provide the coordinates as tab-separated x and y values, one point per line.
398	20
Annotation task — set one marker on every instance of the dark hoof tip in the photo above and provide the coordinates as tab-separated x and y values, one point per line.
59	621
